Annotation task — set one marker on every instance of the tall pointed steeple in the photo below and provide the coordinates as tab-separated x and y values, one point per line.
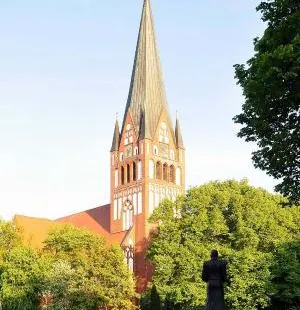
178	135
116	138
147	156
147	97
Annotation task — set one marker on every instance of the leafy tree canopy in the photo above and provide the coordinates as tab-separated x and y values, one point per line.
287	275
16	292
75	270
10	237
86	272
247	225
21	280
271	86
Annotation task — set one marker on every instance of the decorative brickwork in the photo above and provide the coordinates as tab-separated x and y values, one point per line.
147	164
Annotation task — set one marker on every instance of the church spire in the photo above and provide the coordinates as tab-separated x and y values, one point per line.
116	138
178	135
147	97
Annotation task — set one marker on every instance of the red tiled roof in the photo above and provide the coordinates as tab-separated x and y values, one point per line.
34	230
97	220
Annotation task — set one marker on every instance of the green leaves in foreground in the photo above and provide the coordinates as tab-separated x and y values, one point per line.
76	270
86	273
21	280
271	86
252	232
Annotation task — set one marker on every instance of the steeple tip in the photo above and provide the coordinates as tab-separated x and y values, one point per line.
116	137
147	91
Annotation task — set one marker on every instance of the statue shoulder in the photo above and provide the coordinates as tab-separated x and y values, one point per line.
205	264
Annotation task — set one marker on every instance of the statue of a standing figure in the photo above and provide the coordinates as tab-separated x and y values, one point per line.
214	274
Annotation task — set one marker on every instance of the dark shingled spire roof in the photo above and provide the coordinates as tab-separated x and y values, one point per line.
144	126
116	138
147	97
178	135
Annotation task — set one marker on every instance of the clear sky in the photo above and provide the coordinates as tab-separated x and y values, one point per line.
65	69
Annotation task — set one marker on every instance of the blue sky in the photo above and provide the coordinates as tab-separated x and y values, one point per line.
65	69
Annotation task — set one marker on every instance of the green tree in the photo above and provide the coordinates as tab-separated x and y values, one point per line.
21	280
86	272
244	223
10	237
271	86
287	275
70	289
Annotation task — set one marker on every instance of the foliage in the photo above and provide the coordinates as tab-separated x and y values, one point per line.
70	290
10	237
245	224
150	300
21	280
271	86
287	274
86	272
75	270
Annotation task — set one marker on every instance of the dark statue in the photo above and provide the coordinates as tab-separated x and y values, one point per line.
214	274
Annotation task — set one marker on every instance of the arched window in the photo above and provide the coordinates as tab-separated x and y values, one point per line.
140	172
129	255
136	151
127	215
163	133
128	134
172	174
128	173
134	171
158	170
122	175
165	172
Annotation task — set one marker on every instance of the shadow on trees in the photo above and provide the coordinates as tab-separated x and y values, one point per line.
151	300
286	277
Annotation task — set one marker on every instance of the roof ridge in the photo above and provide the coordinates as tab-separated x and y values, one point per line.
86	210
32	217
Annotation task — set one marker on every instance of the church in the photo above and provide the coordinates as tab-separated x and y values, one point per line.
147	164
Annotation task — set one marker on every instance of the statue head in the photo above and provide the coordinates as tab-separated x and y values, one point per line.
214	254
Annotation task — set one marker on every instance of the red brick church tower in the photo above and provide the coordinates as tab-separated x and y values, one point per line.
147	165
147	153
